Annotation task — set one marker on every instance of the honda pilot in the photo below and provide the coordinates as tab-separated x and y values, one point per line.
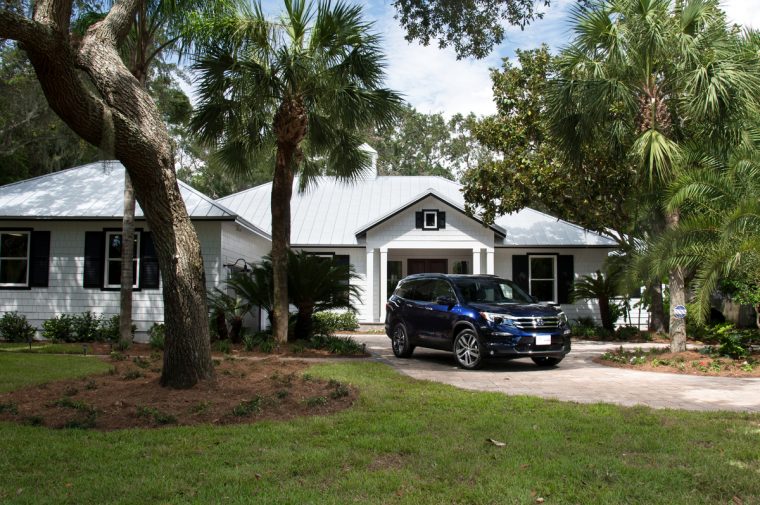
476	317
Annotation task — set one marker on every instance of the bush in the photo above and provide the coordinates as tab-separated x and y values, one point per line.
327	323
627	333
15	328
86	327
157	334
337	345
59	329
223	346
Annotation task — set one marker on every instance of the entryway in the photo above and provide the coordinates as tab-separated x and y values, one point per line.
427	266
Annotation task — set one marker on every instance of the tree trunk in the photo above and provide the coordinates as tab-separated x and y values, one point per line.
127	265
657	323
677	295
282	190
87	84
304	322
604	313
220	319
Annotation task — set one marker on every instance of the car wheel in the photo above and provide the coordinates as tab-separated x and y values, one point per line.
467	350
402	348
546	361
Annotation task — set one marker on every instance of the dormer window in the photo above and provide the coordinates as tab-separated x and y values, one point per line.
430	219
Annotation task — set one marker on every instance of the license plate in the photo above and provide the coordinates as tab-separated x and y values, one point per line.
543	340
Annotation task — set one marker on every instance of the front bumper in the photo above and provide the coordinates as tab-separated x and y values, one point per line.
510	345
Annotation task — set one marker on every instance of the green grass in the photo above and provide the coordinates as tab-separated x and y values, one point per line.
45	348
405	441
20	370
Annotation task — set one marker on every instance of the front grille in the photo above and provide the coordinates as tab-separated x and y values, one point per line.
537	323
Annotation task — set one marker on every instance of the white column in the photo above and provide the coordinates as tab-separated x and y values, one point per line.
369	290
383	281
489	261
476	261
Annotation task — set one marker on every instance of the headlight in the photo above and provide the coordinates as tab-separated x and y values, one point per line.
497	318
562	318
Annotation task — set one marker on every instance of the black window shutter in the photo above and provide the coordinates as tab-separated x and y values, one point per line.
520	271
441	220
94	251
343	260
418	220
565	278
39	259
149	273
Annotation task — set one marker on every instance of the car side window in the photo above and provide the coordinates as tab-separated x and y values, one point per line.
402	290
442	288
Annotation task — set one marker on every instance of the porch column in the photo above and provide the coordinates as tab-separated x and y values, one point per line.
383	281
369	290
476	261
489	261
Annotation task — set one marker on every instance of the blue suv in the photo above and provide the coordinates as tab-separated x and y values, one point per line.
475	316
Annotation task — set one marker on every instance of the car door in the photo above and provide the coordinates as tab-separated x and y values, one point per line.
442	316
414	309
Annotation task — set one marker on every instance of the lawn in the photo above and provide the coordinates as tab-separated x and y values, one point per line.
19	370
44	348
405	441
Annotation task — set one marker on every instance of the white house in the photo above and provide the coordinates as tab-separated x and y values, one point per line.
60	237
60	245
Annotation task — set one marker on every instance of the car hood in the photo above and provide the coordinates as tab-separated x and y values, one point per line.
517	309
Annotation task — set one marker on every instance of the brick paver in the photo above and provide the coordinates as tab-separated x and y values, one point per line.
578	379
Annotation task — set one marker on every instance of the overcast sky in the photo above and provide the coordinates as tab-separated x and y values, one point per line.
433	80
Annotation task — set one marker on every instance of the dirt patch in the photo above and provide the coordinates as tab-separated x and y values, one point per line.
688	363
244	391
644	337
387	462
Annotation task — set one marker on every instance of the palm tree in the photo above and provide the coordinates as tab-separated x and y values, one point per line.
598	287
297	91
651	77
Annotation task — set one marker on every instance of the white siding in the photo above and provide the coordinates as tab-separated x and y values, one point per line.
65	294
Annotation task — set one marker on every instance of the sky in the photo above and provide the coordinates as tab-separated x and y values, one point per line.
433	81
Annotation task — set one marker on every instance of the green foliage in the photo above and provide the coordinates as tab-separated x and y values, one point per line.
327	323
316	401
86	327
246	408
473	28
15	328
155	415
157	336
8	408
734	342
346	346
227	313
59	329
223	346
600	287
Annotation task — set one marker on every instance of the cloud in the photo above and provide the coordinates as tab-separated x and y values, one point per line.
743	12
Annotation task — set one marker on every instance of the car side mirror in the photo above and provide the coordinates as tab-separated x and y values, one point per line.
446	300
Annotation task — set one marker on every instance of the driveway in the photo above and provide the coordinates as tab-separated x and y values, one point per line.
577	379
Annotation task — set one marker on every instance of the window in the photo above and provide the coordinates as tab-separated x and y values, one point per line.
430	220
543	278
102	260
113	260
14	258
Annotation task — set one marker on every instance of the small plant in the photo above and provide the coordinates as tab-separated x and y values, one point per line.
86	327
747	367
156	415
627	333
132	375
90	385
200	407
67	403
141	362
249	342
33	421
327	323
340	390
15	328
157	336
285	380
282	394
316	401
307	377
223	346
84	423
155	356
246	408
71	391
121	345
8	408
337	345
297	347
117	356
59	329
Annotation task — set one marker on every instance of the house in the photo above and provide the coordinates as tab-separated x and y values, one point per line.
60	245
60	235
390	227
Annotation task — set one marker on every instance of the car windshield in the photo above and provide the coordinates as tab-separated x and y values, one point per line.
485	290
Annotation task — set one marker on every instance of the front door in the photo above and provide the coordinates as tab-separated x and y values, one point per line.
427	266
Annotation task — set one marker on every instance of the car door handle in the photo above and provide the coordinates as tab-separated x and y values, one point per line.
428	308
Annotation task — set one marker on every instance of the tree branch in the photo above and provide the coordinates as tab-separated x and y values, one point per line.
22	29
116	25
54	13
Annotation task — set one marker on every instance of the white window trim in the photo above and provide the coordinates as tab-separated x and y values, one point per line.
554	269
425	214
12	258
108	260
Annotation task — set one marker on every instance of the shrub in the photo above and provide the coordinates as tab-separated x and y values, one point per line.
336	345
86	327
109	329
157	336
156	415
15	328
627	333
246	408
59	329
327	323
223	346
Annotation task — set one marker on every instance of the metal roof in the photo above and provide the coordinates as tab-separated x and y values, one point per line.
333	212
95	191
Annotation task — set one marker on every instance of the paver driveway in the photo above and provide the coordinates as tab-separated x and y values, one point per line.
578	379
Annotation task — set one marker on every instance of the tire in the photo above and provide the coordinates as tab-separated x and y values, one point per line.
467	350
400	344
544	361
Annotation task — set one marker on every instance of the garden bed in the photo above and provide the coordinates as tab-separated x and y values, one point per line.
244	391
689	362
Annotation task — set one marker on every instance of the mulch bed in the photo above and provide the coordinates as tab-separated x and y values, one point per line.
692	363
243	391
644	337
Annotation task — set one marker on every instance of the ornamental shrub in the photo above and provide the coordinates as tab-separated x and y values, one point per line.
15	328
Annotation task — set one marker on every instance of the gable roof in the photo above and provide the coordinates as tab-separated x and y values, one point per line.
95	191
332	212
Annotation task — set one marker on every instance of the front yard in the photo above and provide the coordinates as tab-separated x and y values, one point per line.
403	441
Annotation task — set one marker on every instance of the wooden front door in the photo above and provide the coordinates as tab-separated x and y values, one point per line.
427	266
